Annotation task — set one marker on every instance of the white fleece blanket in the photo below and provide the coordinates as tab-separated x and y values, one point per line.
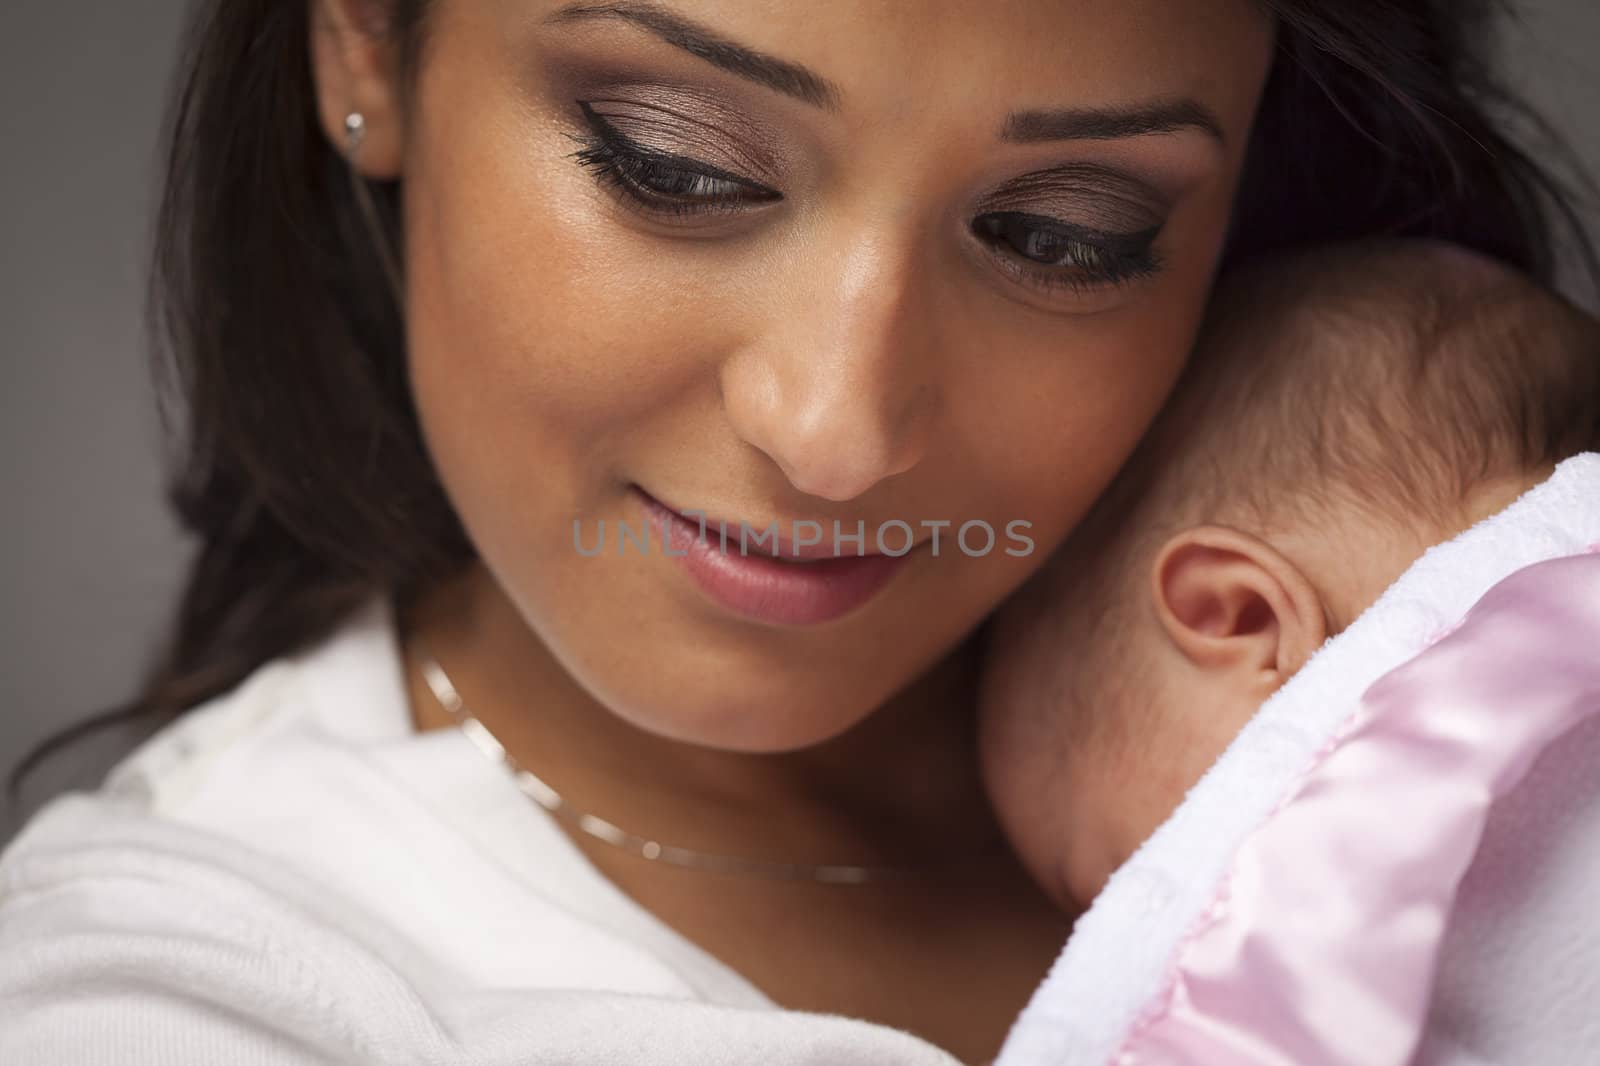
1518	963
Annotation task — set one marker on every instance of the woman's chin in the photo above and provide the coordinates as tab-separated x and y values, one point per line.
758	715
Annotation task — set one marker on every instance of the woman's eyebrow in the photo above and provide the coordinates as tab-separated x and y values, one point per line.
1109	123
785	77
802	83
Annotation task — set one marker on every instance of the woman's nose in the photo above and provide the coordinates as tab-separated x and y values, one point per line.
841	387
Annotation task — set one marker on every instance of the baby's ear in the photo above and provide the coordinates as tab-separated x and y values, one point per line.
1230	602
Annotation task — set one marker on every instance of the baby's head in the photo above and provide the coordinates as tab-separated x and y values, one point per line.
1346	409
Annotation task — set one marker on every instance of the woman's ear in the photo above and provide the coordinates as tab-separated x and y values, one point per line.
355	58
1231	603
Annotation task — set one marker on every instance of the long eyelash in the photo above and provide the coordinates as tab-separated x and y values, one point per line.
1128	257
617	168
1123	268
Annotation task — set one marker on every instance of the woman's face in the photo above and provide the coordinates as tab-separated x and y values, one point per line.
830	261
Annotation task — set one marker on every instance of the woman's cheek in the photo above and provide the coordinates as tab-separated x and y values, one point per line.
549	338
1051	434
1051	416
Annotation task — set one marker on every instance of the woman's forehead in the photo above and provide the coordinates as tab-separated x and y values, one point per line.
856	58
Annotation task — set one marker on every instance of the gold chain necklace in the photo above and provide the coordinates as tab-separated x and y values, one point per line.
643	847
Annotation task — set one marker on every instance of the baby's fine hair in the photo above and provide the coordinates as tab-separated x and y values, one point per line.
1394	376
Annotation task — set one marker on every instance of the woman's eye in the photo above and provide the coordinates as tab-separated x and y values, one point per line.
662	182
1056	254
1039	250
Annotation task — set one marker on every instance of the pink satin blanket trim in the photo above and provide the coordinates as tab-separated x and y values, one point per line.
1320	949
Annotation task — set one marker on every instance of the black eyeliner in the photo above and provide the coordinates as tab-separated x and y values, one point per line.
1132	255
1125	243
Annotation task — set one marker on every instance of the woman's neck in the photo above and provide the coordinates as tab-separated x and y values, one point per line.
901	788
950	956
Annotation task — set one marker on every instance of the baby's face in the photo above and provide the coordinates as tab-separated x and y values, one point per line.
1079	780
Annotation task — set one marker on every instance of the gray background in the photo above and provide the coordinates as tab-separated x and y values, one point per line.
89	560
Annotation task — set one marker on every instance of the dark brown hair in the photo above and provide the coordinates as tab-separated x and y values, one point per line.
300	469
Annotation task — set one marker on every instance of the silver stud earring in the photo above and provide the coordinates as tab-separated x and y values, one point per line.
355	131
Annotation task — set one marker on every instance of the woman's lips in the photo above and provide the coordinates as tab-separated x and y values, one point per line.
760	587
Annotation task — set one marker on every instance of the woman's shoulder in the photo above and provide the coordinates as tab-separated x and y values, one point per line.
141	942
348	688
119	925
125	937
213	774
276	790
148	908
291	874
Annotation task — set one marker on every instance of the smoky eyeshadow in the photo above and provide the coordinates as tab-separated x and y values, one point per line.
1091	195
667	115
675	115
